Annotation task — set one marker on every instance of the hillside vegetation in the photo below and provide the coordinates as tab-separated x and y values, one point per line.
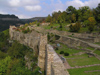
83	19
12	57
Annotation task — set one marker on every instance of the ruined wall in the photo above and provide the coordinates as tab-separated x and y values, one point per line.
47	58
54	63
74	42
42	52
92	38
30	39
34	40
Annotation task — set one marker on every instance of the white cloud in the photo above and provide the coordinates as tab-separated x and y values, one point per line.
92	3
79	3
57	10
75	3
14	3
33	8
58	6
30	5
27	7
30	2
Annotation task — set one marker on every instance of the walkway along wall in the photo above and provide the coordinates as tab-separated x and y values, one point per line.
47	58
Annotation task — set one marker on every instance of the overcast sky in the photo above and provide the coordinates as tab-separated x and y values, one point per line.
41	8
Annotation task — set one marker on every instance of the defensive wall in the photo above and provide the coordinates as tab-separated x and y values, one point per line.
48	59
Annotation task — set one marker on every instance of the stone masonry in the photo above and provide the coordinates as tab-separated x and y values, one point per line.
42	50
47	58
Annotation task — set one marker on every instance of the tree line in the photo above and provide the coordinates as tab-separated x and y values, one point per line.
84	16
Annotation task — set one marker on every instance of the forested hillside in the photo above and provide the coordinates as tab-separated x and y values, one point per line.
12	57
7	20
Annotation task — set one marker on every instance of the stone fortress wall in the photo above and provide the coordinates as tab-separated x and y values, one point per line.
92	38
78	39
47	58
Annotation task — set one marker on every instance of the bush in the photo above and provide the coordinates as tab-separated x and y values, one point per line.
75	28
56	48
66	54
61	52
27	30
57	37
38	24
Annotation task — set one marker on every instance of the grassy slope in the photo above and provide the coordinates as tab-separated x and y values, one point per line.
81	71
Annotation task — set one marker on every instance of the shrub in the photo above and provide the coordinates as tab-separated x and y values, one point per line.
56	48
38	24
57	37
75	28
66	54
48	36
61	52
27	30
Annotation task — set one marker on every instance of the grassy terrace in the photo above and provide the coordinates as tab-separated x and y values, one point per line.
68	50
90	48
84	71
56	27
85	60
97	52
98	43
80	60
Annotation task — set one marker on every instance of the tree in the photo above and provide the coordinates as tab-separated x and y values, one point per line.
84	9
49	18
91	23
17	50
71	10
73	18
97	13
84	13
4	65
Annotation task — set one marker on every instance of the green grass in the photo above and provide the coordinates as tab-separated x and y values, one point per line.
55	26
47	27
98	43
97	52
80	47
82	30
83	61
81	71
68	50
90	48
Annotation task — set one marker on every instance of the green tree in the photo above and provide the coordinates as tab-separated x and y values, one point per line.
91	23
84	13
97	13
4	65
49	18
71	9
73	18
17	50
